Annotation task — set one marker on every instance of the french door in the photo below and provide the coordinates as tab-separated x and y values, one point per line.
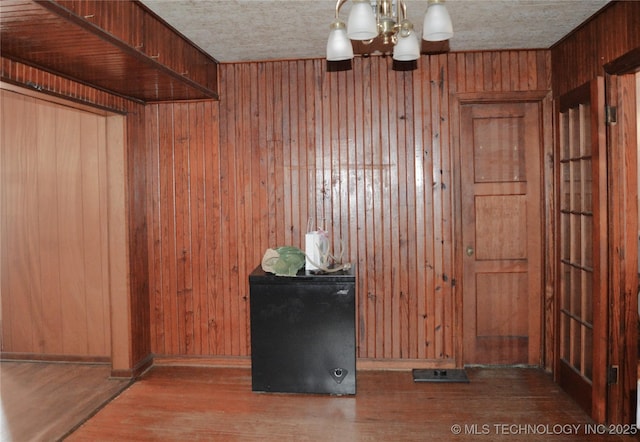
581	311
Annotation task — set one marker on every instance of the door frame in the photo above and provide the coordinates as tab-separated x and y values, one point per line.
544	100
622	142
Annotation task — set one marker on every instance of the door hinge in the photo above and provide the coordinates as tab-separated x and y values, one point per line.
612	375
611	115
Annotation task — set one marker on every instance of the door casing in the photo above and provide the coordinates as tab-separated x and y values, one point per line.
543	98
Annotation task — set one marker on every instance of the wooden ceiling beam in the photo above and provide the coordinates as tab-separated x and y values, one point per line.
120	47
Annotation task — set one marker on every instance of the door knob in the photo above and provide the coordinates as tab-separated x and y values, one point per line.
469	250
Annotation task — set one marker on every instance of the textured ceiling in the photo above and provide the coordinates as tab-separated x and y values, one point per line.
257	30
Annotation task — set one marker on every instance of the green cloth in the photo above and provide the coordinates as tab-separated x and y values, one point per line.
283	261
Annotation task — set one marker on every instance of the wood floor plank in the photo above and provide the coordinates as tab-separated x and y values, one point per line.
44	401
211	404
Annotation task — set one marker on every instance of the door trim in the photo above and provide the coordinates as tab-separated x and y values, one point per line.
544	99
622	142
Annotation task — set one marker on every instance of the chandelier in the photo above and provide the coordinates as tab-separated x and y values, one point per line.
386	20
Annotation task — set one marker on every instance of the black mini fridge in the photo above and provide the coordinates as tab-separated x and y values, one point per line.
303	336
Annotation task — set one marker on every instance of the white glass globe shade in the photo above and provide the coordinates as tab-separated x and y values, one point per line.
361	24
407	48
437	23
339	46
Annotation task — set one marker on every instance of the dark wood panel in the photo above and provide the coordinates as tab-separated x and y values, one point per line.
24	75
51	37
588	52
137	197
581	56
365	153
623	199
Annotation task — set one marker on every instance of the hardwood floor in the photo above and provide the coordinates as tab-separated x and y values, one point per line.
45	401
211	404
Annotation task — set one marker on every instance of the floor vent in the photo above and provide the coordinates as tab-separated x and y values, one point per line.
440	375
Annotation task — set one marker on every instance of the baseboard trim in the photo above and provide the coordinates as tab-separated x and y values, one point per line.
36	357
203	361
132	373
403	364
245	362
220	361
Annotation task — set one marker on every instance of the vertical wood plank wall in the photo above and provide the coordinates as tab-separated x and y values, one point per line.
137	164
580	57
577	59
367	154
289	141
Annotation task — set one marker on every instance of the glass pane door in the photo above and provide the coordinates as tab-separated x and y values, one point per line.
581	308
576	214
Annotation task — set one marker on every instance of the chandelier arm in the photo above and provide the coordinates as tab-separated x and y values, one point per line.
384	8
339	4
403	8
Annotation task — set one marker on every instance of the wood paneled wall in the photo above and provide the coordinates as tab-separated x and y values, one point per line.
32	78
134	358
607	38
580	57
367	154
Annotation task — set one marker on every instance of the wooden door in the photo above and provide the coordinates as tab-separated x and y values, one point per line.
500	153
582	240
55	239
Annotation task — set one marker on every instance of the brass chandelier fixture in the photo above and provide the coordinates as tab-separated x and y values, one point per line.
386	20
